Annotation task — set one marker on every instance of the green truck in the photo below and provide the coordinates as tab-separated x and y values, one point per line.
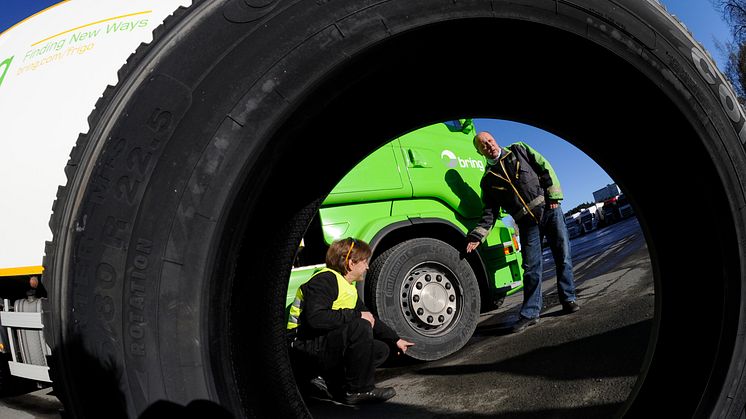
414	199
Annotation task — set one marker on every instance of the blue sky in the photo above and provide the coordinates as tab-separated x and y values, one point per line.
14	11
578	173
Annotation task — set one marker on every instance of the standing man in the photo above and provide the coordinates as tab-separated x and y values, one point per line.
522	182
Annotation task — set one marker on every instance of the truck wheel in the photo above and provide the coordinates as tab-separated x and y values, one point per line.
187	197
427	294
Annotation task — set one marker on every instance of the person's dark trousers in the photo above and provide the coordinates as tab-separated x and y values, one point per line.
532	268
553	226
353	353
347	357
555	229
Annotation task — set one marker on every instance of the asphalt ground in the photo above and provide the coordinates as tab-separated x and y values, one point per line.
39	404
581	365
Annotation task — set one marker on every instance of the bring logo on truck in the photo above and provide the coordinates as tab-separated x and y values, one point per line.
452	160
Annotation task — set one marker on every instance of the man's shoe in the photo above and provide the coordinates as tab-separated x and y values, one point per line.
523	323
376	395
570	307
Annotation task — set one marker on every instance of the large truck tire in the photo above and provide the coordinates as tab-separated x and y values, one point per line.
187	197
428	294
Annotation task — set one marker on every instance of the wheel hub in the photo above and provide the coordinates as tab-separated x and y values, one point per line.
429	298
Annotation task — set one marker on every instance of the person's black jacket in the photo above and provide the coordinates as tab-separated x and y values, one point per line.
521	182
317	317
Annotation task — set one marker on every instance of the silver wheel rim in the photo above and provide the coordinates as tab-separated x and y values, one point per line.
430	298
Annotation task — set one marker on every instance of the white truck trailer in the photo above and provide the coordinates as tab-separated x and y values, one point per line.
54	66
607	192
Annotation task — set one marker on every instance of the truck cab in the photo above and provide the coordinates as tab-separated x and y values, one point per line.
611	210
588	219
574	228
625	208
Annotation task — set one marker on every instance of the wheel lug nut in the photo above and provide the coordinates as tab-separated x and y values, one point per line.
452	298
438	278
450	310
427	278
416	298
448	286
420	311
441	319
429	319
419	285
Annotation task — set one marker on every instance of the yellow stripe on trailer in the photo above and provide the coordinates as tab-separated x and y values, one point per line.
24	270
90	24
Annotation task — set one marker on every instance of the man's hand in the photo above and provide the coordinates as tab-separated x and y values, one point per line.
471	246
403	345
367	315
553	204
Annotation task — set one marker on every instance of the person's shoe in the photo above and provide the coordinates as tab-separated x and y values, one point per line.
320	385
570	307
377	395
317	388
523	323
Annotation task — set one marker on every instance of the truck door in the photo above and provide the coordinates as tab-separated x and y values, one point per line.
442	164
377	177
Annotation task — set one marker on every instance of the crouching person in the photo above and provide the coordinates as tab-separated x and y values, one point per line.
335	341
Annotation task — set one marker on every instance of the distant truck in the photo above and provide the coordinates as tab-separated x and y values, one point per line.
615	204
574	228
625	208
607	197
611	210
592	217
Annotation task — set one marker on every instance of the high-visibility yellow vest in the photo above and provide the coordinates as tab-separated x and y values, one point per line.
347	298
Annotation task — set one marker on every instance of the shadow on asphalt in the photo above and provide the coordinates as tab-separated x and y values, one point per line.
607	355
40	404
396	410
621	347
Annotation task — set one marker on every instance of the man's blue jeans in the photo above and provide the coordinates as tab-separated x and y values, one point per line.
552	226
